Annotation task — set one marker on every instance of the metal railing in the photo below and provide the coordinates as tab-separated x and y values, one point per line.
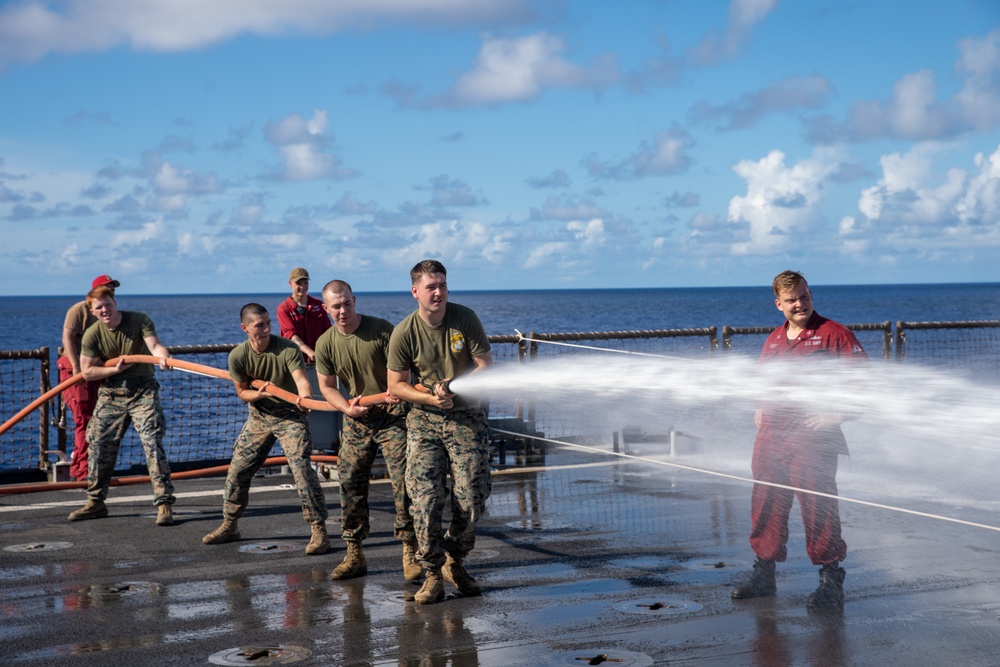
205	416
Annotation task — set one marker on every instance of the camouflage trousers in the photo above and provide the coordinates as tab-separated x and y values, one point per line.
136	402
359	443
260	432
439	444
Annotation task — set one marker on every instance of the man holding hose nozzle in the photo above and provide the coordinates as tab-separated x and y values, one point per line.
129	394
445	433
799	449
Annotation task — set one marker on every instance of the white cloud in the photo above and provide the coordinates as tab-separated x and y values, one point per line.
32	29
520	70
915	112
303	146
664	156
779	205
744	15
914	213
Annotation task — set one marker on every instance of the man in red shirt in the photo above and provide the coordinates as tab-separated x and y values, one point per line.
799	448
81	397
301	318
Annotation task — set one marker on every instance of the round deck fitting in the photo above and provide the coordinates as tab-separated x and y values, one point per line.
658	606
482	554
269	547
712	564
124	589
33	547
260	655
609	657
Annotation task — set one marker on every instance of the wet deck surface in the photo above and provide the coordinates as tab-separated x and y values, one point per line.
586	558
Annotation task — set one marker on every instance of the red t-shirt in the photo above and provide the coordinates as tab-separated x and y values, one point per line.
782	424
308	323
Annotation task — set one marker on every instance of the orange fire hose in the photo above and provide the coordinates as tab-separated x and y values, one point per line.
180	364
141	479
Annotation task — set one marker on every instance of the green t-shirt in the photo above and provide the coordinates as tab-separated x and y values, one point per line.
101	342
275	365
438	353
358	359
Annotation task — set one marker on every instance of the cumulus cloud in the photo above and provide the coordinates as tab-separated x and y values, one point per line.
911	208
665	155
303	145
744	15
789	94
446	192
558	208
557	179
32	29
779	206
514	70
916	112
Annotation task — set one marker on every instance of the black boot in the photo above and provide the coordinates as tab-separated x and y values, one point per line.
830	594
760	584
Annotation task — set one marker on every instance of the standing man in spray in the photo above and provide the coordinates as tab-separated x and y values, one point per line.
445	433
799	449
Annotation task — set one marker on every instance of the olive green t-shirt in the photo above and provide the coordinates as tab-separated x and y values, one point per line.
358	358
101	342
275	365
439	353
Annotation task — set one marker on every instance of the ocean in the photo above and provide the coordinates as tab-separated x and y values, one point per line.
31	322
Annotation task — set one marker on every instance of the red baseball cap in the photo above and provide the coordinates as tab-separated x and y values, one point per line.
104	280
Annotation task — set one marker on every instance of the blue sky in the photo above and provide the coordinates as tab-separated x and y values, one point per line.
207	147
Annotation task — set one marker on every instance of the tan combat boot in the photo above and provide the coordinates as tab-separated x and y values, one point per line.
411	568
227	532
319	542
433	589
454	573
165	515
94	509
353	565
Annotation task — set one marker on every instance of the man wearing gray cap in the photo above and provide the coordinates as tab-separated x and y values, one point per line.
301	318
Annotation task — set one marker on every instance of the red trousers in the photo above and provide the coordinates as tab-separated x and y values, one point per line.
80	399
804	468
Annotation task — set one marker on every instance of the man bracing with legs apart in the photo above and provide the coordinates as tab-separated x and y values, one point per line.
445	433
272	360
129	394
355	351
799	448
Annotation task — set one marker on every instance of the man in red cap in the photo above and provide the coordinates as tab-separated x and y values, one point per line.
81	397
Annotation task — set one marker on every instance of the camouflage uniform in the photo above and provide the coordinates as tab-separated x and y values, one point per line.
440	443
444	441
121	402
129	397
359	442
263	428
271	420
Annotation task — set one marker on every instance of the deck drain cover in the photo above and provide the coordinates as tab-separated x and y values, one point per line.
658	606
711	565
269	547
609	657
260	655
125	588
38	546
482	554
